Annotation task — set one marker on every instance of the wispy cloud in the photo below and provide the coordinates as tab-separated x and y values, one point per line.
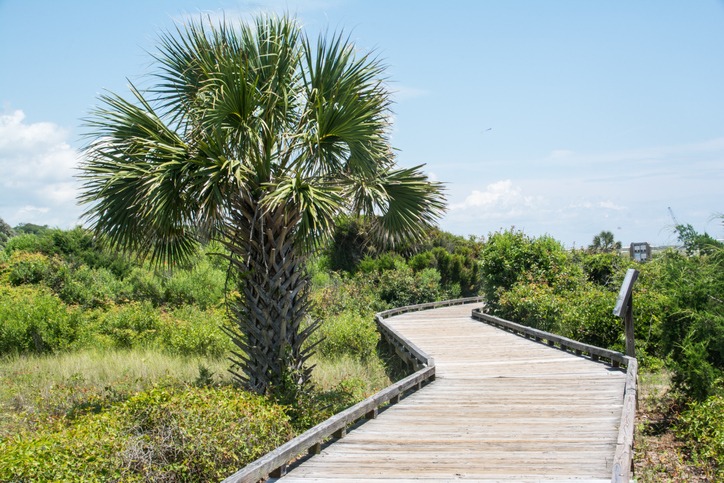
402	93
574	195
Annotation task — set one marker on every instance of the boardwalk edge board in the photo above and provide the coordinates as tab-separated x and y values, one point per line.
623	458
274	463
564	343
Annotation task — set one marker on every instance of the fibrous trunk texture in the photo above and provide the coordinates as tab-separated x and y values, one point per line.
265	321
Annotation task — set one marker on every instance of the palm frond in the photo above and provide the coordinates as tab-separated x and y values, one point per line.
345	120
315	204
405	201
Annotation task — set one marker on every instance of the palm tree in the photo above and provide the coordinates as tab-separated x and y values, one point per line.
604	242
259	137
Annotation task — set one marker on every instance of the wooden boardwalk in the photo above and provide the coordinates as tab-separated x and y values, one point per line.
502	408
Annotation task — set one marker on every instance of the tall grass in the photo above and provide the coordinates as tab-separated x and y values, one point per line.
37	387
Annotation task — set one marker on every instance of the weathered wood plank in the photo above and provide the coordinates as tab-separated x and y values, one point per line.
502	407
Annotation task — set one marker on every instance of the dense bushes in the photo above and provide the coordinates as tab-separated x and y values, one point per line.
348	333
33	320
163	434
693	326
702	428
202	284
455	259
511	255
536	282
459	271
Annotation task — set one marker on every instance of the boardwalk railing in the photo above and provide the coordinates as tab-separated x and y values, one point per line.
623	458
274	463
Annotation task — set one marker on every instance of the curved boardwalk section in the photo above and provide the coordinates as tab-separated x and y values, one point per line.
502	408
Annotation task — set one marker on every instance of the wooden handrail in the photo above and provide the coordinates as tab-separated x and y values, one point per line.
564	343
623	457
274	462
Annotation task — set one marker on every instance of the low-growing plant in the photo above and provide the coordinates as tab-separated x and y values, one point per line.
167	433
533	304
131	325
510	255
459	270
348	333
90	287
701	426
384	262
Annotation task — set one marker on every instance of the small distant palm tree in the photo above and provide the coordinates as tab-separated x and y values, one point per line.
259	137
604	243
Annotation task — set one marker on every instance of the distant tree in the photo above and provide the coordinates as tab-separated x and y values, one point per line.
695	242
604	243
31	229
6	232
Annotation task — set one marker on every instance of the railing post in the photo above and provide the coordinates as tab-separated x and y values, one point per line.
624	308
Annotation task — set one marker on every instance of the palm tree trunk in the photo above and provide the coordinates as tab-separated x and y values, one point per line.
265	321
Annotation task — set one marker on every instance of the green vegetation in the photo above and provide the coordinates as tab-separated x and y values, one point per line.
110	368
166	432
93	339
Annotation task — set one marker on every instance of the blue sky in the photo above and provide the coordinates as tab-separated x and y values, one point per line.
558	117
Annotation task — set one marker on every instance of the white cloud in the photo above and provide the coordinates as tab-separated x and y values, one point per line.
36	172
610	205
500	194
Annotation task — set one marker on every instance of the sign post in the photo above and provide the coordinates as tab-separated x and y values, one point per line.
624	308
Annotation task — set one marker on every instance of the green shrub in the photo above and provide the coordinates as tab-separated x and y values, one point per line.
163	434
382	263
144	285
6	233
692	333
26	268
701	427
403	287
75	247
335	294
90	287
588	317
22	243
508	255
191	331
202	285
532	304
348	333
600	268
33	320
130	325
458	269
